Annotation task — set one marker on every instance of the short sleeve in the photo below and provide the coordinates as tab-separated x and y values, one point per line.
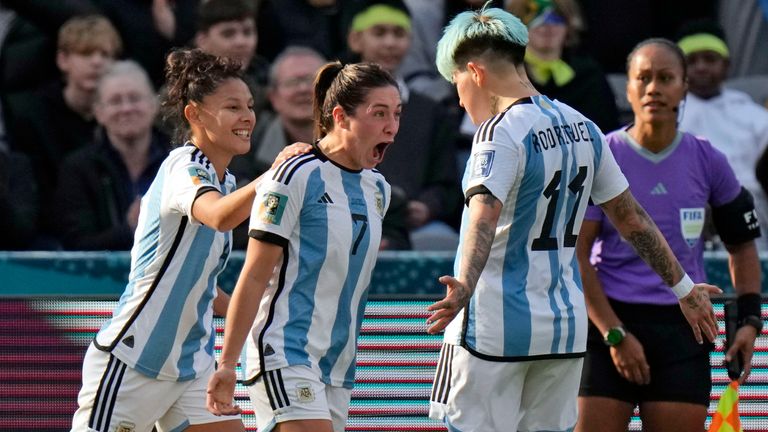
188	179
724	186
276	210
609	181
495	163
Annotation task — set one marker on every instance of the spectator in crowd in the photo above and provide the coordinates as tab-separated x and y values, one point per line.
423	161
49	123
101	185
227	28
555	65
640	351
729	119
746	30
318	24
18	202
30	29
514	312
315	226
614	27
150	28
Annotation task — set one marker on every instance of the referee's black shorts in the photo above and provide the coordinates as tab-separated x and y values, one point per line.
680	370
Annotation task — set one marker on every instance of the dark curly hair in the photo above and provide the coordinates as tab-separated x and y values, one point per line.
190	75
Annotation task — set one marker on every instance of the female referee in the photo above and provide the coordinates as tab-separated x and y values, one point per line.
640	350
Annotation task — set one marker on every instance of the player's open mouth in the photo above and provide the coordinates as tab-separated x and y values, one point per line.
242	133
379	150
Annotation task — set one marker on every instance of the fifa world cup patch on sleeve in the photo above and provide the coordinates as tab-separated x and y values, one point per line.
199	175
482	162
271	208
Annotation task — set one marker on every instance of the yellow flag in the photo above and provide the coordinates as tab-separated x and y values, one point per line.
726	418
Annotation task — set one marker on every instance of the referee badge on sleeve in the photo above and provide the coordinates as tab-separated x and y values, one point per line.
482	162
271	208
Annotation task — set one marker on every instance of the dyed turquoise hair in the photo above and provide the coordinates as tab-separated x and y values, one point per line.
486	24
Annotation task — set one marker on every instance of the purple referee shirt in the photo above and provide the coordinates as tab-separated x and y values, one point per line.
674	187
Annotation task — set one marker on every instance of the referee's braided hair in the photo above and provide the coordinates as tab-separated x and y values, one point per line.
190	75
345	86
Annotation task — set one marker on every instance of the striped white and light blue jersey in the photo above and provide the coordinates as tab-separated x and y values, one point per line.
328	221
163	323
544	161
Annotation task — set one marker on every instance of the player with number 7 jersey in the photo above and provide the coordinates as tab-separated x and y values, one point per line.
544	161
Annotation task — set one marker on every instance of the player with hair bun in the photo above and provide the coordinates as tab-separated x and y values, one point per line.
149	364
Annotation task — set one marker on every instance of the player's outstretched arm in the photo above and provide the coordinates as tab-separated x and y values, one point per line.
484	211
225	212
635	226
260	261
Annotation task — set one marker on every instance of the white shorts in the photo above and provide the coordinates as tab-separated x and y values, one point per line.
472	394
117	398
296	393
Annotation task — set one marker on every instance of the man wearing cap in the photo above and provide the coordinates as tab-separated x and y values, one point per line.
730	119
423	161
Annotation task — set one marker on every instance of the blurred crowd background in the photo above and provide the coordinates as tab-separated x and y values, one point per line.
82	133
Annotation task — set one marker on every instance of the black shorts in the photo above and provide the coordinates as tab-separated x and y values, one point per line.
680	370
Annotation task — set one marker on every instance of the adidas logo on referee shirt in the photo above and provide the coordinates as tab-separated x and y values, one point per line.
325	199
659	189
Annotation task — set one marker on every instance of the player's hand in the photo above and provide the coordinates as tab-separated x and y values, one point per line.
221	393
744	342
629	358
291	151
698	311
456	299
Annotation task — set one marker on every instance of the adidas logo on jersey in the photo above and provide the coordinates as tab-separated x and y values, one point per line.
659	189
325	199
268	350
128	341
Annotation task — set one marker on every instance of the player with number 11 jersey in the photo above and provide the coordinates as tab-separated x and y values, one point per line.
545	162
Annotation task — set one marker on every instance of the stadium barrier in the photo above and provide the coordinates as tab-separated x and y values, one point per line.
51	305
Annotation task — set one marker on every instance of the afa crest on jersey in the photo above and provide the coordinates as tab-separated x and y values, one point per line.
271	208
199	175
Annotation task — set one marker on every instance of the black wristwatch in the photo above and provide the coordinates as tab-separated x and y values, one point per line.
753	321
614	335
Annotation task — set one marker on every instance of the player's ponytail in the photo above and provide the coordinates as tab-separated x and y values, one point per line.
325	77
